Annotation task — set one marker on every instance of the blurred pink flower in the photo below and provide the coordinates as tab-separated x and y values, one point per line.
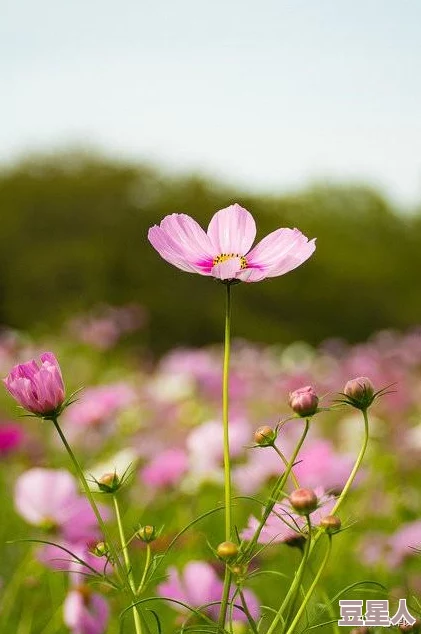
56	558
85	612
284	524
166	468
320	465
49	498
104	328
11	437
99	404
37	388
404	543
224	251
199	585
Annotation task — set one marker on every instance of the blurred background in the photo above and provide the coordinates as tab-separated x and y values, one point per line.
305	113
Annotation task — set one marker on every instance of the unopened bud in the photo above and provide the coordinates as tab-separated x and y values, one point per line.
360	392
109	482
227	550
147	533
304	401
304	501
331	524
239	570
100	549
265	436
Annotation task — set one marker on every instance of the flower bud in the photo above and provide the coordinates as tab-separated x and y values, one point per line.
238	627
146	533
109	482
331	524
265	436
304	401
239	570
227	550
100	549
360	392
304	501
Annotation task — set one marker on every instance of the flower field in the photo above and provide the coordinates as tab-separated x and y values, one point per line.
226	490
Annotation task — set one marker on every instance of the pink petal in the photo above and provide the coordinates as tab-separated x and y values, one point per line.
278	253
227	270
181	241
232	230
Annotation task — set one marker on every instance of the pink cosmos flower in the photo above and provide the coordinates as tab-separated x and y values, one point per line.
85	612
38	388
166	468
98	404
49	498
285	525
224	251
199	585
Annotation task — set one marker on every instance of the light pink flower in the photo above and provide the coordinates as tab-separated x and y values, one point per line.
320	465
224	251
49	498
199	585
85	612
166	468
38	388
284	524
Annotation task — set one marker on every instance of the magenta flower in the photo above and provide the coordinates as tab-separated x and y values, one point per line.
86	612
37	388
11	438
224	251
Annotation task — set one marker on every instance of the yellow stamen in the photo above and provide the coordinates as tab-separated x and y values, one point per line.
227	256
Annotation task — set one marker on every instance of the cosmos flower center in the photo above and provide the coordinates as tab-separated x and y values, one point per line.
227	256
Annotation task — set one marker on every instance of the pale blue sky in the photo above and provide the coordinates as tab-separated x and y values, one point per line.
270	94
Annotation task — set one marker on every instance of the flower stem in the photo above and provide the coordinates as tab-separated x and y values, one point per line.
311	588
278	487
129	571
101	523
285	461
247	612
145	571
295	586
334	510
356	465
227	464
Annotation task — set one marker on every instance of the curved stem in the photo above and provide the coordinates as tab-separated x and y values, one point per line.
338	503
285	461
227	463
101	523
145	571
295	586
129	571
247	612
356	466
279	486
311	588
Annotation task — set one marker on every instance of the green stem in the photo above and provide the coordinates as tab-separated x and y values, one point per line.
311	589
338	503
126	557
285	461
279	486
101	523
247	612
227	464
356	466
295	586
145	571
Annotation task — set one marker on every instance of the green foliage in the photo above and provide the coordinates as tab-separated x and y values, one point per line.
74	234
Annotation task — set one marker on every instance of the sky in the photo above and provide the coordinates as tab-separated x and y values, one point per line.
270	95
